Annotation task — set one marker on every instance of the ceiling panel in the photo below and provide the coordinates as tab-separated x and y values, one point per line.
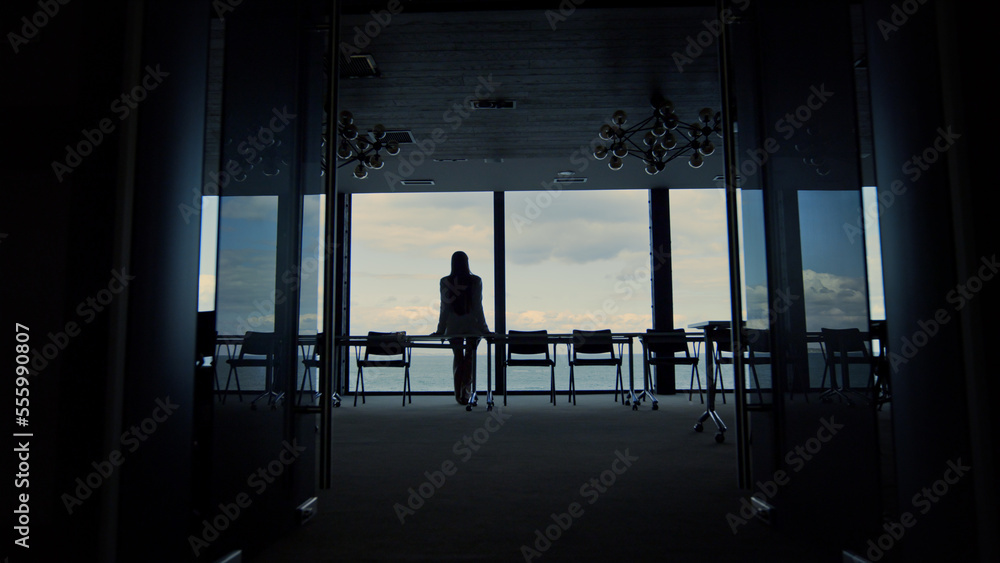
566	82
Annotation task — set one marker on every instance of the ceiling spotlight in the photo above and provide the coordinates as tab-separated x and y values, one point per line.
364	150
615	163
601	152
619	117
344	150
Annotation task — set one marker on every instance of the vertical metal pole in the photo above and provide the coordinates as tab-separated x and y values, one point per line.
331	358
500	289
732	224
661	278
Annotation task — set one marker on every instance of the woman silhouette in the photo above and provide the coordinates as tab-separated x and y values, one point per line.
463	318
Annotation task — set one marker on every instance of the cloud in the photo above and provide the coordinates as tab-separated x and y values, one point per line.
830	301
256	208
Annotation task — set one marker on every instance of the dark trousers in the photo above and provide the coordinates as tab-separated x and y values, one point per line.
465	357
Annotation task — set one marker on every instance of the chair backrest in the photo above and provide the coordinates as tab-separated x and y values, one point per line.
757	340
528	342
257	344
320	346
385	344
723	339
666	342
593	342
843	341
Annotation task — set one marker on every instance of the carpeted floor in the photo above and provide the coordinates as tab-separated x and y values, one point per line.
432	482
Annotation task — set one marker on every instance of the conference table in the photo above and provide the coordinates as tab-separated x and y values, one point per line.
437	341
710	328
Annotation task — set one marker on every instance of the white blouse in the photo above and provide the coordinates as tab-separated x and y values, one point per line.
472	322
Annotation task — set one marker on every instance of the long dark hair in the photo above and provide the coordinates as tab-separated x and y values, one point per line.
460	280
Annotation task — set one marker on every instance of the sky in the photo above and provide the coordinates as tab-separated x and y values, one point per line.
574	259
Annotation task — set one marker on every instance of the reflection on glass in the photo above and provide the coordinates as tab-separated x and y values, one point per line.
208	254
247	245
759	307
835	284
310	286
312	264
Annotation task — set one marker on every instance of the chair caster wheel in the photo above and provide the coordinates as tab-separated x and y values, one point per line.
468	407
627	403
656	406
698	427
635	407
336	405
720	438
489	408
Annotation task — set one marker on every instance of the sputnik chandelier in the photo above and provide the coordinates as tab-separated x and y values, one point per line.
664	137
363	149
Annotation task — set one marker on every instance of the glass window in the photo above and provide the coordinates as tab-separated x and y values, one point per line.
401	246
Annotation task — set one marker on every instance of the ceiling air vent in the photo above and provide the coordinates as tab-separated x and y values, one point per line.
417	182
400	136
569	180
359	66
493	104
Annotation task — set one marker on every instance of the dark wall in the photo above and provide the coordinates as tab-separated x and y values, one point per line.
103	270
57	252
931	246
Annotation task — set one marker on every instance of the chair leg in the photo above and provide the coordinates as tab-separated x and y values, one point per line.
233	374
718	381
225	391
695	374
552	385
359	385
406	386
756	382
620	382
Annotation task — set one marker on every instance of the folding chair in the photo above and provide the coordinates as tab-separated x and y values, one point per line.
384	347
755	342
312	362
844	347
257	350
531	343
660	348
595	343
